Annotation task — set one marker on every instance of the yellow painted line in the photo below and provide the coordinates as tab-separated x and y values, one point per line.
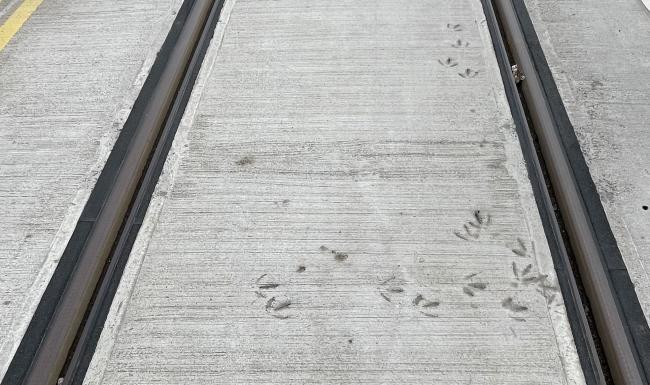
16	20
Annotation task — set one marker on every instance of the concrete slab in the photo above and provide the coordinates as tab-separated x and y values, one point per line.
602	71
6	8
69	77
345	202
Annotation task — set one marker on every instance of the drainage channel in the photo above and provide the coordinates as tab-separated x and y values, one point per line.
61	338
620	337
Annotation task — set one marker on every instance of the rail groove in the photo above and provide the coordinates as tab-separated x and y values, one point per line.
58	341
623	351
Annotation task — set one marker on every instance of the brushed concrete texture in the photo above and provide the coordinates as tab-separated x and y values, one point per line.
68	79
599	54
345	203
6	8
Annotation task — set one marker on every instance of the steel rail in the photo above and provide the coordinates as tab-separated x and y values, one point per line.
106	235
582	333
68	316
620	352
76	370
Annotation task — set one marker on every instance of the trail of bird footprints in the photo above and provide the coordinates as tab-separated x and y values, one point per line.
450	62
278	305
395	291
523	274
392	290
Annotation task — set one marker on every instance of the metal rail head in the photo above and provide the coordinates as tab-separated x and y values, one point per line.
620	353
583	336
68	317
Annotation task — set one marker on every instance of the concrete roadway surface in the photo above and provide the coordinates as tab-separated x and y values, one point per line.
602	70
345	201
69	75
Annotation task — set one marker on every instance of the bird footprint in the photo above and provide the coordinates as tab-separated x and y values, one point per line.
468	73
449	63
460	44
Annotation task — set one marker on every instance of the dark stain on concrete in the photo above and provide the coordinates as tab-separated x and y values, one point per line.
340	256
245	161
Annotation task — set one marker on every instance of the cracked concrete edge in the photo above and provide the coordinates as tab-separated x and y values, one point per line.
97	367
73	213
542	255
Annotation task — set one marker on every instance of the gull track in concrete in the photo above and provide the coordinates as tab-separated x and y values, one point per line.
63	333
621	332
